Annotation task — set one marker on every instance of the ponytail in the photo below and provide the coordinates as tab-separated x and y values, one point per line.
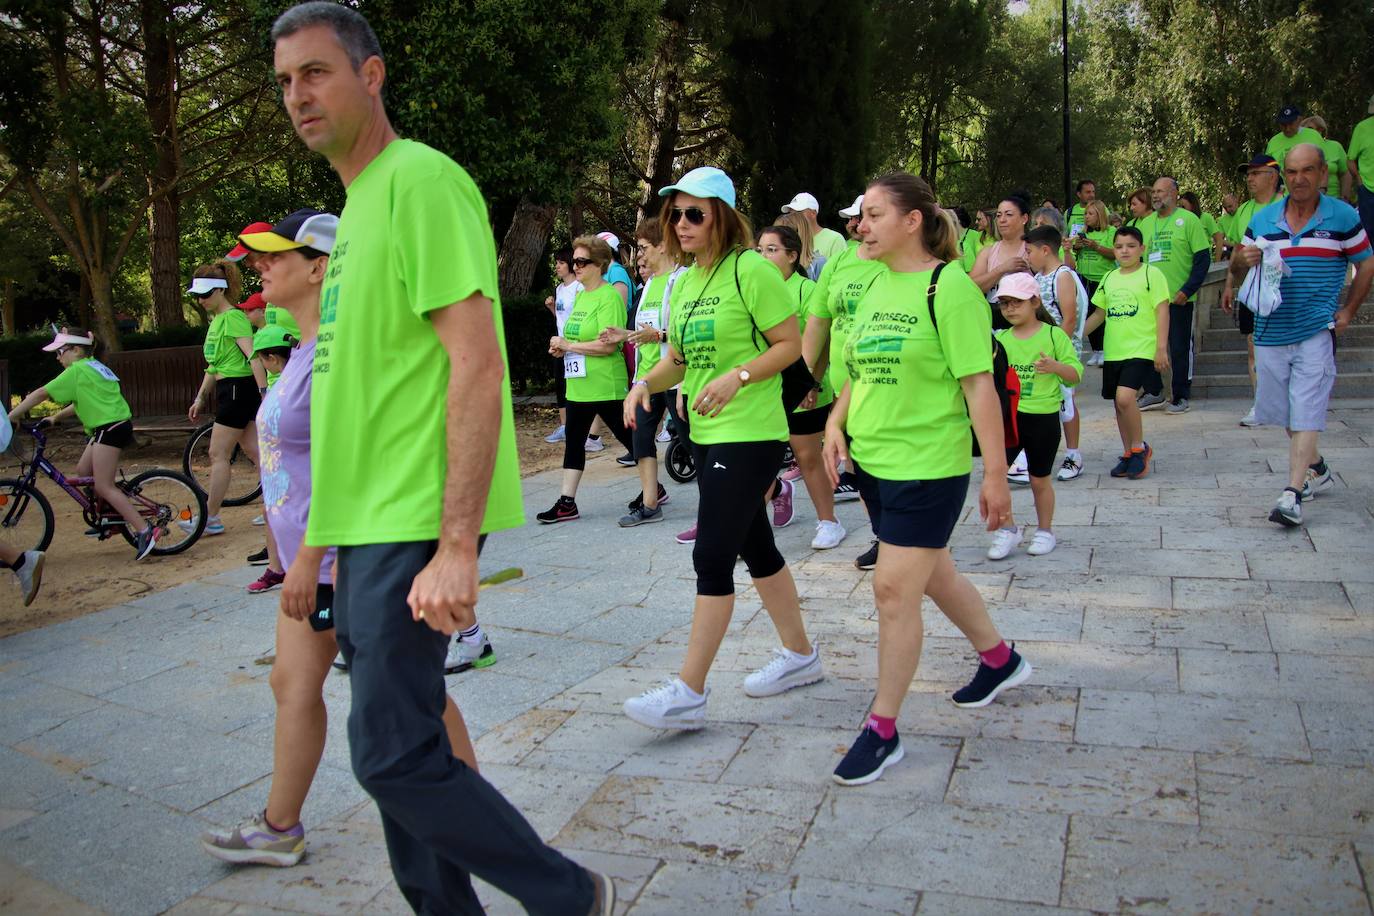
96	350
225	270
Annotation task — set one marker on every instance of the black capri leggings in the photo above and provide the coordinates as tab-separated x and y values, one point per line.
732	521
1095	338
646	426
581	415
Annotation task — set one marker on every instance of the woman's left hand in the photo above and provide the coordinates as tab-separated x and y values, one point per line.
717	394
809	402
994	500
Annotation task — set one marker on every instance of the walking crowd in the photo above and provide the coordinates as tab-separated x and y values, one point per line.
885	363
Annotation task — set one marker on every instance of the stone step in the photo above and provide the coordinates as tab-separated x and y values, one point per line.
1221	362
1237	385
1229	338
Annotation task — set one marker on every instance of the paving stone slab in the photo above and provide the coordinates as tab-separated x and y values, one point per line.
1092	590
513	740
334	793
34	785
1325	598
1208	564
1237	630
1123	667
20	892
958	905
686	888
1271	796
630	874
1059	778
214	699
1035	622
96	673
1264	674
29	708
1115	865
1339	732
1361	596
1321	635
599	743
924	846
1253	726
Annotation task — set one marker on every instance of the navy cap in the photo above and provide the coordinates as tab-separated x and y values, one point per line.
1288	114
1263	160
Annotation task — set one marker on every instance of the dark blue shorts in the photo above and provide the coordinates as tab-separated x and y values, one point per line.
913	513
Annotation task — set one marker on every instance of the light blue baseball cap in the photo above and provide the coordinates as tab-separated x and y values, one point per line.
706	181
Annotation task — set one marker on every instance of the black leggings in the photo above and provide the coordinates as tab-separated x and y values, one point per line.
581	415
1094	338
732	517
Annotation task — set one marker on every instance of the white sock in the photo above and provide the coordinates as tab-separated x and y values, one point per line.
689	691
1075	454
798	657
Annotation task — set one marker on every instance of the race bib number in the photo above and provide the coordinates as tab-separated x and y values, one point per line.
103	370
650	319
1076	229
1156	256
574	366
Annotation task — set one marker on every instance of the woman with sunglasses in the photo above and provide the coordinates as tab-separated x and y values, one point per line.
594	369
733	331
916	386
782	246
238	380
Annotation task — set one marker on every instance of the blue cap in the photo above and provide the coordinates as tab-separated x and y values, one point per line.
1288	114
706	181
1262	161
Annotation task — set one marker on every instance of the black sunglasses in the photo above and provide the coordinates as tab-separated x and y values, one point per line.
203	295
695	215
582	262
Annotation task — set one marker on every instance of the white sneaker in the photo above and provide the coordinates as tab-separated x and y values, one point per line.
828	535
783	673
1249	419
1041	543
1017	472
669	705
31	576
259	520
1071	468
1098	358
664	435
594	445
1003	542
464	654
555	436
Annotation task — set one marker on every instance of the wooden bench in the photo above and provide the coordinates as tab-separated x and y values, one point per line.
159	385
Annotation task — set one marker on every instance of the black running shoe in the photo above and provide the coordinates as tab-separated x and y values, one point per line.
846	492
1122	466
868	757
989	682
145	542
639	499
565	510
626	460
869	558
259	558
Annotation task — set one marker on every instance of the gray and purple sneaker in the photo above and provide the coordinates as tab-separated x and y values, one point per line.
255	843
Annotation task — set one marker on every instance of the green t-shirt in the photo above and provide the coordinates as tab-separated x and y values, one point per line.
412	238
828	242
1091	265
1225	222
223	355
94	389
1076	221
838	289
1173	242
1131	300
1146	225
1209	226
595	378
713	330
907	415
650	311
1335	163
1279	145
970	243
1241	221
1040	391
1361	151
275	314
800	290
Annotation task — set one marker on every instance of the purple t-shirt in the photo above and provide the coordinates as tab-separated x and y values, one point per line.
284	447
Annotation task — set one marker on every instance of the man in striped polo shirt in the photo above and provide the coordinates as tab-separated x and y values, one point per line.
1295	345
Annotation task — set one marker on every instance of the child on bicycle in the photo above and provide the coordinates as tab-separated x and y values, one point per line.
90	390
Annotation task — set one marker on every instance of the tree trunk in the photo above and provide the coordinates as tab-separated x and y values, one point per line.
7	312
164	234
84	314
102	301
523	245
668	119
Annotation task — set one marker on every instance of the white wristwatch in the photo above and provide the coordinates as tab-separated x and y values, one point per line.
744	376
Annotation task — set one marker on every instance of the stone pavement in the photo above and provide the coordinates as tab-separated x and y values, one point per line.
1198	734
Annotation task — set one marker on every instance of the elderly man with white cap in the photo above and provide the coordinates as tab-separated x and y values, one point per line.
825	242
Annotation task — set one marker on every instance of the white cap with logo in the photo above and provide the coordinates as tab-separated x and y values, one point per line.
802	201
853	209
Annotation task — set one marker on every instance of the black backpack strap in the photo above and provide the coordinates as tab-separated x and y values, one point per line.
930	295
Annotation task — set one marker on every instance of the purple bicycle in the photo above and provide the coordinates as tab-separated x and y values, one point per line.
165	498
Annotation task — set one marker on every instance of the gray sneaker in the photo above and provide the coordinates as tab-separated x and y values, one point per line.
31	575
255	843
641	515
1177	407
1149	401
145	542
1288	510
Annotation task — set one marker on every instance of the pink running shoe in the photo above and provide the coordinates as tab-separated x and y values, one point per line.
266	582
689	536
792	472
783	513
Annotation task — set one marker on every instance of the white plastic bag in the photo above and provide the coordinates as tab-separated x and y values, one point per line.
1260	291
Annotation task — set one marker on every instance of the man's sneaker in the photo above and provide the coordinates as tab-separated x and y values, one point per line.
663	435
869	755
1042	542
783	673
259	558
564	510
845	492
783	512
1318	479
594	444
639	500
145	542
1250	419
793	472
31	575
1149	401
689	536
828	535
1140	462
556	436
626	460
1004	541
1071	468
603	901
259	521
869	558
989	682
254	842
669	705
1288	510
339	662
464	654
1017	473
1178	407
1122	465
641	515
269	580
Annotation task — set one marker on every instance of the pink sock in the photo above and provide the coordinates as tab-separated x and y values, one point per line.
884	726
997	656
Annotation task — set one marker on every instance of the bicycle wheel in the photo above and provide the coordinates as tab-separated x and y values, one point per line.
678	459
244	483
171	502
26	519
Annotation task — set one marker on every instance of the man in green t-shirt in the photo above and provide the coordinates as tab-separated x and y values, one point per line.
1338	180
1291	133
1178	246
1360	163
825	242
413	461
1075	222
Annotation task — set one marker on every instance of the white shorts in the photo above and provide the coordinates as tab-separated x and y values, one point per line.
1295	382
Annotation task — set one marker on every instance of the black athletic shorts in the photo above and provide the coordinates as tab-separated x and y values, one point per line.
913	513
1134	373
323	618
236	401
119	434
808	422
1039	434
1245	319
